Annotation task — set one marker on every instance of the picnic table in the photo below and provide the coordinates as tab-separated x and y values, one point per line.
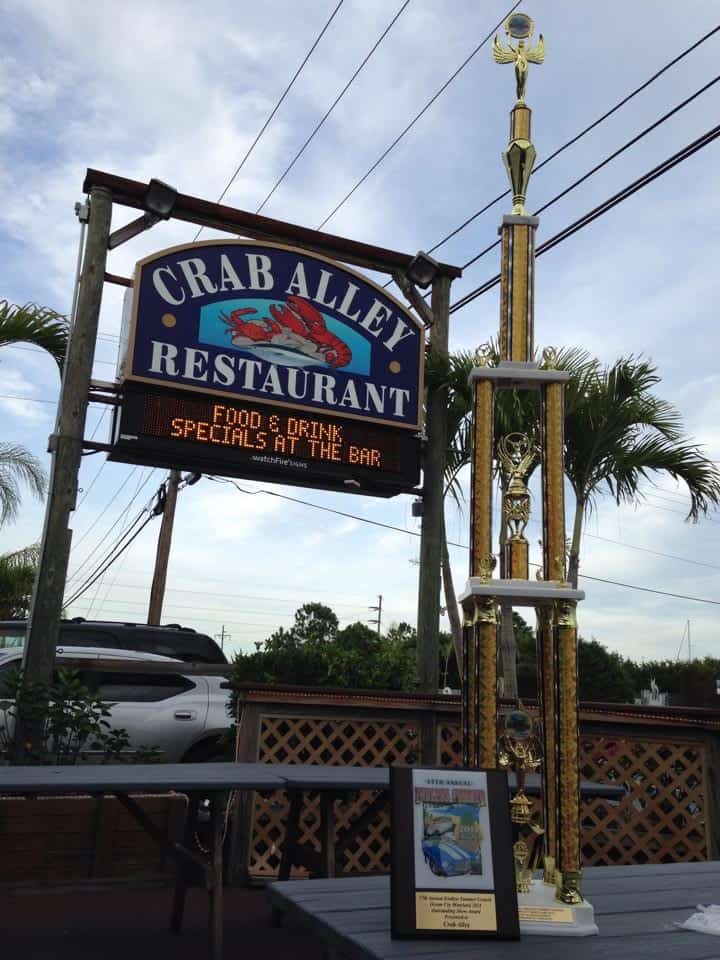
636	908
215	782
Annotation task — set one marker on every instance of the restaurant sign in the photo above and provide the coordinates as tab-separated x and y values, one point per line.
276	325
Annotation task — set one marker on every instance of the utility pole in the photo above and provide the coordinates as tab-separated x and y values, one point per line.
689	644
66	445
162	556
378	620
428	668
222	637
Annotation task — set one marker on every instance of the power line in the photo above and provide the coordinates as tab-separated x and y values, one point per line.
414	533
417	116
105	509
661	593
602	208
39	351
13	396
603	163
141	484
86	586
334	104
128	526
86	491
234	596
580	135
221	617
53	403
275	108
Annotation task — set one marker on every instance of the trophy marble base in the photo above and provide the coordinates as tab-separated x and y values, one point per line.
540	913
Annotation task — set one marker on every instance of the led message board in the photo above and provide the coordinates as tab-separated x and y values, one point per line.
171	428
276	325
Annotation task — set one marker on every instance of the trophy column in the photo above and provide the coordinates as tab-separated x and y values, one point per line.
480	616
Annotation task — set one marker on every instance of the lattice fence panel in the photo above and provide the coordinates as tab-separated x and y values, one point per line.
662	817
331	742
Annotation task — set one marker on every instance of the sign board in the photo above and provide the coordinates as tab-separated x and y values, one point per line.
452	860
260	360
274	325
161	427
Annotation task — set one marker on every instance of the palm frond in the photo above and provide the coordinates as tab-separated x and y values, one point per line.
18	465
34	324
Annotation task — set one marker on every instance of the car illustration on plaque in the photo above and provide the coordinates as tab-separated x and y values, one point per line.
437	826
446	858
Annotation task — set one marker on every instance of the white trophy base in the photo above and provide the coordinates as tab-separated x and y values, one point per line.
541	913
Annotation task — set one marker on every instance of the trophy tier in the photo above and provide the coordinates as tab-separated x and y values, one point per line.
518	373
521	593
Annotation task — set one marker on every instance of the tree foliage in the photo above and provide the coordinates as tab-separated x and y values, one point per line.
17	576
315	651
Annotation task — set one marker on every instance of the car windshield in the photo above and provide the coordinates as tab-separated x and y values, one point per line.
10	638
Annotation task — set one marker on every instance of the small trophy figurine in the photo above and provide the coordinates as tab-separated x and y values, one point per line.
520	27
519	751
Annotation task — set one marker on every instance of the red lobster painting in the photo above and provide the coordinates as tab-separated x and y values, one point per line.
296	325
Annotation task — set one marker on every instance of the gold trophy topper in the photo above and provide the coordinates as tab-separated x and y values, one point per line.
520	27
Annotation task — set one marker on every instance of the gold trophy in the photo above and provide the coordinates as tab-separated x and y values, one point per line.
556	906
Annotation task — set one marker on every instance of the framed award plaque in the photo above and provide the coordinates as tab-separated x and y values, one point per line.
452	864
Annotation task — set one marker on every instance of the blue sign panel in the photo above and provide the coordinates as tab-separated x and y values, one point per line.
275	324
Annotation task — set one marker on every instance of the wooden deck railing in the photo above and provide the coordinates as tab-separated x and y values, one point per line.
666	758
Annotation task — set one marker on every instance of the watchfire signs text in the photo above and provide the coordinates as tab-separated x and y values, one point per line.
275	324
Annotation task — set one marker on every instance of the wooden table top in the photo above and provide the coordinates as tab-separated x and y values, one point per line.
134	777
131	777
635	908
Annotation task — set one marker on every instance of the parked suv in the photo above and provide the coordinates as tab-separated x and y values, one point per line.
183	716
180	643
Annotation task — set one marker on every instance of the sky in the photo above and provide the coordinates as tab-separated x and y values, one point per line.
179	92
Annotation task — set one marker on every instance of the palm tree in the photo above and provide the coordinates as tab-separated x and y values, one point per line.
49	330
33	324
457	455
17	576
617	434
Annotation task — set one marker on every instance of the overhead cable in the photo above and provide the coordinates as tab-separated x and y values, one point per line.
417	116
603	163
601	208
463	546
335	102
581	134
275	108
88	583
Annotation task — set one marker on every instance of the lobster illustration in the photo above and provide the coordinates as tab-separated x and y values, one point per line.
296	324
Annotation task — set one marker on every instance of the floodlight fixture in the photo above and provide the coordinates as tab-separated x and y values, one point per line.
159	202
160	199
422	270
